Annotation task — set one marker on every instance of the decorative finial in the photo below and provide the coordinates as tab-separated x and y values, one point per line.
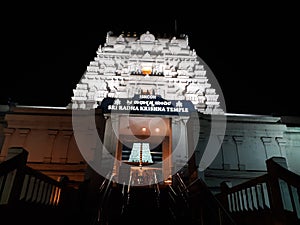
108	34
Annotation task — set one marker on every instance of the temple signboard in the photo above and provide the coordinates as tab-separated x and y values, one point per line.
147	104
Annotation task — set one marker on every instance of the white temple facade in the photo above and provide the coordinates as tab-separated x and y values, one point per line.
149	67
126	66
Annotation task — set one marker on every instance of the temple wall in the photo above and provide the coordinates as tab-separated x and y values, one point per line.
48	137
248	142
45	136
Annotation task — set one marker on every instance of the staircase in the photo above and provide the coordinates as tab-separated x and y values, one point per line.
143	207
160	204
271	199
30	197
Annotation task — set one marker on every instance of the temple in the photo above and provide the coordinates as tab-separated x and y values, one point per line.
126	66
146	133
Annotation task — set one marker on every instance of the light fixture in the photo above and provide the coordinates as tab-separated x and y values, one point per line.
157	129
146	70
144	129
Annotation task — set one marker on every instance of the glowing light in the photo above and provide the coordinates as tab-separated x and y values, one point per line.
146	70
144	129
157	130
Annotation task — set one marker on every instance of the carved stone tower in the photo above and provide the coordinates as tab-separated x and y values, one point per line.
126	66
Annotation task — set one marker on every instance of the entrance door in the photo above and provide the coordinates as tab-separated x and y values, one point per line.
145	143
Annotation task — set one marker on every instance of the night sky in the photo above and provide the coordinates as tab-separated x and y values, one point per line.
253	51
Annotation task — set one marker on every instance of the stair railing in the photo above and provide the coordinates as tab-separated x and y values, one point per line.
272	198
20	183
29	196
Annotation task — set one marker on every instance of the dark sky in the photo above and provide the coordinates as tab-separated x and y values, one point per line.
252	50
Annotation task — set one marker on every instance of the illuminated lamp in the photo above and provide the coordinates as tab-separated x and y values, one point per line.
168	181
146	70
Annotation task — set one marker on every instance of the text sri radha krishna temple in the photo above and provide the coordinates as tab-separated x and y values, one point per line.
147	129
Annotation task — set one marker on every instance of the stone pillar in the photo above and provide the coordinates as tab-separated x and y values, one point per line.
230	154
23	134
271	148
110	144
7	136
218	161
281	143
167	166
266	141
198	155
67	134
61	144
110	139
49	147
180	144
238	142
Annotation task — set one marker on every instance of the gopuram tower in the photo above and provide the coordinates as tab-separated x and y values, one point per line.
147	89
126	66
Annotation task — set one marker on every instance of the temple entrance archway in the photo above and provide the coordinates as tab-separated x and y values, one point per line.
145	144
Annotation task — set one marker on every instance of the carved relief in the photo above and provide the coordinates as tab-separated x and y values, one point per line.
179	74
